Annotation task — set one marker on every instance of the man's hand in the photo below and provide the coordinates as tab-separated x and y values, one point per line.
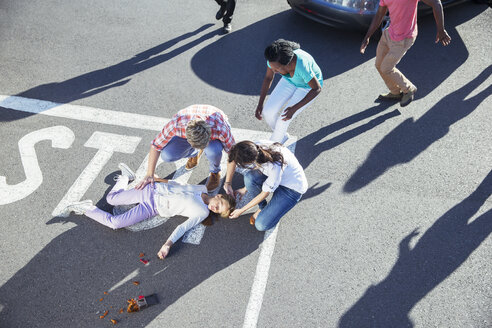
288	113
443	37
163	251
364	45
228	189
258	112
146	180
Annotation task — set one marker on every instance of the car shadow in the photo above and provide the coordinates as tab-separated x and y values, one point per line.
98	81
412	137
63	285
437	254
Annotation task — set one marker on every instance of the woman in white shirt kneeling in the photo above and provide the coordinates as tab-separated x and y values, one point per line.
165	198
273	169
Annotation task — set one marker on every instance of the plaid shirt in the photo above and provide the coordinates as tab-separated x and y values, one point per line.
221	130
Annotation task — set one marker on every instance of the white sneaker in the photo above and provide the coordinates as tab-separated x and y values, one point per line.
80	208
126	171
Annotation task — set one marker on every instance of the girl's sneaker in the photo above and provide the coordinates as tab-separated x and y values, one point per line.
80	207
126	171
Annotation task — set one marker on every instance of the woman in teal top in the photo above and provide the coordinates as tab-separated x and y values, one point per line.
301	82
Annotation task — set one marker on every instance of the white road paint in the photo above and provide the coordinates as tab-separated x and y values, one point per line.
153	123
60	136
261	278
107	144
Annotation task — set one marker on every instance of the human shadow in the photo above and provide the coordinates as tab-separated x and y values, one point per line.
239	65
100	80
310	147
62	285
437	254
412	137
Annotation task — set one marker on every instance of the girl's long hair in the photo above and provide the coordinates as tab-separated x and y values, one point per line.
247	152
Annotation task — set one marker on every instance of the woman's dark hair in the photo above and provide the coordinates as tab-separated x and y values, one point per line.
281	51
247	152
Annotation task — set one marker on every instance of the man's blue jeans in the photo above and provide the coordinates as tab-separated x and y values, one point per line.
282	201
178	148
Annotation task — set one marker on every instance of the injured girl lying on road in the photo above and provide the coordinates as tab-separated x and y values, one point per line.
166	198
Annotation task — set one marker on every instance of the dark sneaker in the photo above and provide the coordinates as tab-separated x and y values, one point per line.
390	96
220	13
193	161
126	171
407	98
213	182
227	28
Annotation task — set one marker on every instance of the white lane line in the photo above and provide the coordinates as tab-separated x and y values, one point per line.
83	113
154	123
261	277
102	116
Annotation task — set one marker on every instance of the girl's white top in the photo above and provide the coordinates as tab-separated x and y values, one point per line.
174	198
291	175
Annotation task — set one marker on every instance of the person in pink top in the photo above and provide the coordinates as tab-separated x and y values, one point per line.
396	40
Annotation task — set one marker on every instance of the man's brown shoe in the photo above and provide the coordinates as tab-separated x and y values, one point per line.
213	181
193	161
390	96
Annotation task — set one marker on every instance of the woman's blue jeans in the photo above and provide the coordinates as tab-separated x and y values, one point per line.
283	199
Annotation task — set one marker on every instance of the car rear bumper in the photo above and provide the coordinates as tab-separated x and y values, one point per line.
333	14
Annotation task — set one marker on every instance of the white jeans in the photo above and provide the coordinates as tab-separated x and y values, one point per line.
283	96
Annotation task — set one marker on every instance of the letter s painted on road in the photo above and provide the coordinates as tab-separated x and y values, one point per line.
60	136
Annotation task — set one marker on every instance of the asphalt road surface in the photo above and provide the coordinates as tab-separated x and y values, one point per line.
394	230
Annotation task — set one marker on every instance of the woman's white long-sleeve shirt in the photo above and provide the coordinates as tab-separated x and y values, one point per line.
173	198
290	175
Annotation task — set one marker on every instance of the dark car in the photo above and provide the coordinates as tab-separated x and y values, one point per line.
352	14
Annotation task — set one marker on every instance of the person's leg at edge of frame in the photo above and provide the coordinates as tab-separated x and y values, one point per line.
253	181
142	211
280	131
177	149
283	200
280	95
213	152
230	6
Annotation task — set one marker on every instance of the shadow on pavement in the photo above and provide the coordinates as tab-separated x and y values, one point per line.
412	137
437	254
97	81
61	286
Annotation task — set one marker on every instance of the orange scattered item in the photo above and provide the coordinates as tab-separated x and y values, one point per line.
114	322
141	255
132	306
136	283
120	311
105	293
100	300
105	314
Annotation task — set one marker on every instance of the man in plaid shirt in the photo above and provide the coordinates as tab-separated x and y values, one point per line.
195	130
